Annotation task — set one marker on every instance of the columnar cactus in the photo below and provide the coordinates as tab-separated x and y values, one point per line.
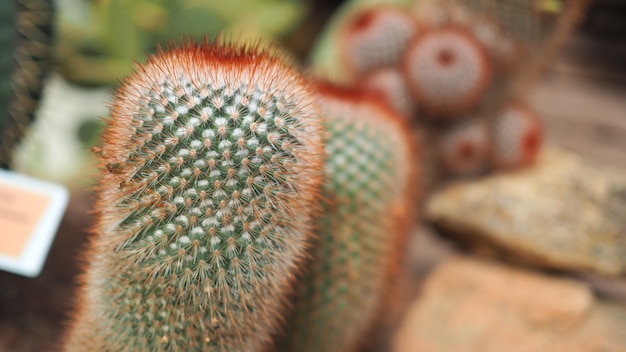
25	40
368	192
211	164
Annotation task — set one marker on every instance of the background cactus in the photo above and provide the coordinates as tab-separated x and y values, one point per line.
376	38
391	86
465	148
355	261
447	70
517	137
462	58
211	163
25	38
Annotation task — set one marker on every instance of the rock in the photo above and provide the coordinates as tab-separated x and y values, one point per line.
560	213
469	305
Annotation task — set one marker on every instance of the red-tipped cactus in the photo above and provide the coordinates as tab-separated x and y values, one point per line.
447	70
350	283
464	148
211	164
389	84
376	38
517	137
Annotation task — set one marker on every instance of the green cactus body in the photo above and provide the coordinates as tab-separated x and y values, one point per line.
25	39
355	260
211	163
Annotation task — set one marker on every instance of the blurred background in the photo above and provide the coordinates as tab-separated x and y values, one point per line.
580	97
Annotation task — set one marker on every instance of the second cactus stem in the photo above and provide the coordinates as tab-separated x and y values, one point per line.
349	287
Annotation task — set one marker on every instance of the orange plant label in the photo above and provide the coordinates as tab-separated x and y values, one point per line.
20	211
30	212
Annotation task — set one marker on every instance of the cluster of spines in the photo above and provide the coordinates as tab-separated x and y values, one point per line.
211	167
370	185
26	41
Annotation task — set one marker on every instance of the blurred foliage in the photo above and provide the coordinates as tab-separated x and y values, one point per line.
26	37
7	39
99	39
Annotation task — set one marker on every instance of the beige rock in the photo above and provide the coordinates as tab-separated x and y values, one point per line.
561	213
469	305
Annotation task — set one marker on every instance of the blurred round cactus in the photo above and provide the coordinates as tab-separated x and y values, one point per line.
376	38
517	137
464	148
390	85
460	59
447	70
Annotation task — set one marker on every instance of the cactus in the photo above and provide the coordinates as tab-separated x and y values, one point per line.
25	39
517	135
447	70
355	261
464	148
211	162
376	38
390	85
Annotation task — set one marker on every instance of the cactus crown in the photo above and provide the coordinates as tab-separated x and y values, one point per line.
211	163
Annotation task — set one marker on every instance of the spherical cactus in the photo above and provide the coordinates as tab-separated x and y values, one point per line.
211	164
26	28
517	136
390	85
355	261
447	70
464	148
375	37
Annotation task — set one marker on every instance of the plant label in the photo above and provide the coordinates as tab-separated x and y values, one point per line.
30	212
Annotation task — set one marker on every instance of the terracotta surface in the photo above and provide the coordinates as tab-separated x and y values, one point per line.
469	305
20	211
